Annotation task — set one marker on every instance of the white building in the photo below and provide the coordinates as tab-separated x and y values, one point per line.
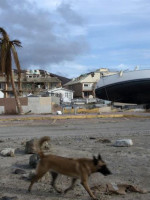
1	94
65	95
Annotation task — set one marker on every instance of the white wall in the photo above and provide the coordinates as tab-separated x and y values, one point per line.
1	94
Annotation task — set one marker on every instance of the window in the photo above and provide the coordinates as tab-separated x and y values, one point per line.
86	85
66	94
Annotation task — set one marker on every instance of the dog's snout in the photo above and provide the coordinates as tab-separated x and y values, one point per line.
104	170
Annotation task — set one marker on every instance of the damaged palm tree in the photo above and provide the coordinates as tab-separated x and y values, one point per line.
7	50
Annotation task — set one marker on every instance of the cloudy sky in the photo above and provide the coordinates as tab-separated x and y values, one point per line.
71	37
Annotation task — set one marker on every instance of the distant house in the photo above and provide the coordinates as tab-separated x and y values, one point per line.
84	85
32	81
65	95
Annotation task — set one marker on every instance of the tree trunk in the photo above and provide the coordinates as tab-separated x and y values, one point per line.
18	104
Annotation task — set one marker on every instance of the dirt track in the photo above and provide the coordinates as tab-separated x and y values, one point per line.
73	138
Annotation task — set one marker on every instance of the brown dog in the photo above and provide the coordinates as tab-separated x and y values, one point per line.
80	168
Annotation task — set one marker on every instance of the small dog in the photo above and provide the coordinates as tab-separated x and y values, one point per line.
80	168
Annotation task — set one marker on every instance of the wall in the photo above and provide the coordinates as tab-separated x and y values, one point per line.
37	105
77	88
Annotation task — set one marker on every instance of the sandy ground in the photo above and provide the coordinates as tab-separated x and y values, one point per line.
72	138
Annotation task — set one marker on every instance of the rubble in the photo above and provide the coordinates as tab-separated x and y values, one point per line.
123	143
33	160
8	152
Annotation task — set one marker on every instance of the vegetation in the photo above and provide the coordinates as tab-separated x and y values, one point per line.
7	52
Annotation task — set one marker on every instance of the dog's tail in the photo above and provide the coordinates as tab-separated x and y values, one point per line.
40	143
42	140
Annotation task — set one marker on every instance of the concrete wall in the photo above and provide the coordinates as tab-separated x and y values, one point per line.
37	105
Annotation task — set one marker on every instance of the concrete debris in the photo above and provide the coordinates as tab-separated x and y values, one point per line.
29	176
33	160
59	112
19	171
9	198
101	140
123	143
8	152
113	188
31	145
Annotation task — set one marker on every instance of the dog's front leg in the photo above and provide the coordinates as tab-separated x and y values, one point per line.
84	182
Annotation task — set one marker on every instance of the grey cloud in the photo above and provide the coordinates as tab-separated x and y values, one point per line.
36	29
69	14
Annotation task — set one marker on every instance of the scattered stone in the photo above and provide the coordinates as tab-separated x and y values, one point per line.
19	171
103	140
29	176
123	143
92	138
8	152
59	112
33	160
46	177
30	146
9	198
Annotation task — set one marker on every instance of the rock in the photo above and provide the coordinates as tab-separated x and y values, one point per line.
29	176
30	146
9	198
46	177
8	152
19	171
92	138
123	143
101	140
59	112
33	160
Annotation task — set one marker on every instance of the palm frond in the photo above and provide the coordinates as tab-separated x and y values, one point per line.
17	43
4	33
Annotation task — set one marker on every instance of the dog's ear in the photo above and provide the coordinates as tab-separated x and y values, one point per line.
95	160
99	157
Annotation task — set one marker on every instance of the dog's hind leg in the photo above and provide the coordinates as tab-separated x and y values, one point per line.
54	177
71	186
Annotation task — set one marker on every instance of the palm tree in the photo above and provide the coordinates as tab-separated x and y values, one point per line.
7	50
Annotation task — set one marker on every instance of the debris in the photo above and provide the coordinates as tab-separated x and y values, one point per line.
92	138
59	112
8	152
29	176
123	143
19	171
103	140
28	112
33	160
9	198
112	188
